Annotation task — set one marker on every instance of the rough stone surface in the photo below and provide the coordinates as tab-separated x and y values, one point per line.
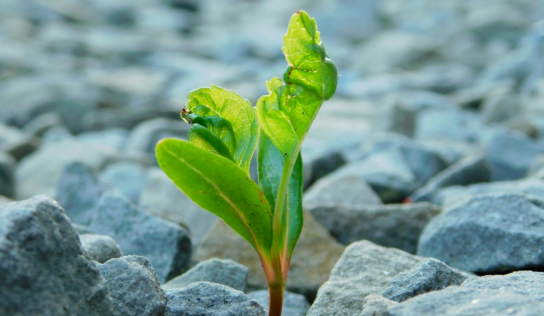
487	233
166	245
162	198
392	225
376	305
363	269
293	304
78	191
315	255
426	276
345	189
134	287
527	283
467	171
226	272
101	248
39	252
457	301
211	299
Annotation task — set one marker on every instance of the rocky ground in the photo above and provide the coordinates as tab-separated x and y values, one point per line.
424	175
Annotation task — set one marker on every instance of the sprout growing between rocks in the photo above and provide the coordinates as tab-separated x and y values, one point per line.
212	167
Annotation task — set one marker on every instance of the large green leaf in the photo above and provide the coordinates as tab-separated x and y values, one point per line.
270	168
226	104
287	112
203	138
219	186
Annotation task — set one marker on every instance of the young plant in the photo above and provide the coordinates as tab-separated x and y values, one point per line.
212	167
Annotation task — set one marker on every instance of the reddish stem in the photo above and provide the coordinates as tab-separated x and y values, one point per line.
276	300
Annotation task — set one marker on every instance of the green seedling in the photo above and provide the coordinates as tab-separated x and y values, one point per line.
212	167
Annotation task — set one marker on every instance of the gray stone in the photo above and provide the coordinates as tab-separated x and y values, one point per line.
457	301
166	245
128	177
510	154
57	134
82	229
162	198
211	299
42	124
397	117
16	142
43	269
146	135
426	276
345	189
78	191
321	164
134	287
293	304
32	178
226	272
487	233
376	305
500	108
527	283
467	171
448	124
5	200
363	269
393	225
101	248
7	170
113	137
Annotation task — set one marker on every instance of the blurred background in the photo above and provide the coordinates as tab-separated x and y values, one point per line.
107	78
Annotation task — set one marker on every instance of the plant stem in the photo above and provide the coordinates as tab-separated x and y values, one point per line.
276	299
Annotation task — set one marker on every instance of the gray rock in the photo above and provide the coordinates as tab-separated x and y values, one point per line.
527	283
393	225
7	170
426	276
57	134
211	299
82	229
345	189
128	177
293	304
101	248
16	142
469	170
500	108
162	198
43	269
457	301
32	178
447	124
363	269
321	164
226	272
166	245
79	191
4	200
487	233
450	150
510	154
42	124
397	117
146	135
455	193
113	137
134	287
376	305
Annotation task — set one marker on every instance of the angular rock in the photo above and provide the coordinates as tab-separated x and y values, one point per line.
42	123
376	305
162	198
43	269
392	225
128	177
293	304
211	299
345	189
397	117
134	287
458	301
500	107
426	276
451	150
363	269
7	171
166	245
487	233
309	268
446	124
101	248
319	165
526	283
226	272
32	178
467	171
78	191
17	143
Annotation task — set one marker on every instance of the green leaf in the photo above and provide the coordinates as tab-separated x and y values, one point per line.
270	167
222	103
286	114
221	187
203	138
